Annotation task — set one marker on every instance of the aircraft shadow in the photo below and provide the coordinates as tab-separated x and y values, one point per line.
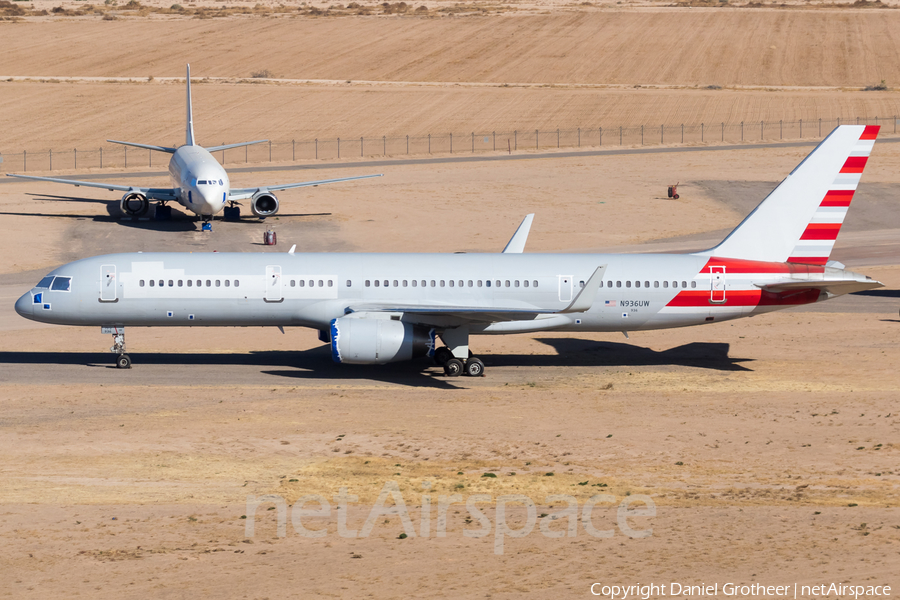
879	293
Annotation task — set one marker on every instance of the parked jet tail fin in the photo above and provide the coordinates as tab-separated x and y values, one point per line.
800	219
189	133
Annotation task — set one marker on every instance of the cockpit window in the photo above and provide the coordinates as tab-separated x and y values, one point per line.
45	282
220	182
61	284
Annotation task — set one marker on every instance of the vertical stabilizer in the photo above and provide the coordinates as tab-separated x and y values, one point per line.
189	139
799	221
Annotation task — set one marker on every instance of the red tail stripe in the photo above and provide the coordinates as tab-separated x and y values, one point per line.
837	198
870	132
808	260
854	164
821	231
702	298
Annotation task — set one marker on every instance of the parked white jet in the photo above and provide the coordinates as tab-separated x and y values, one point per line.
199	182
379	308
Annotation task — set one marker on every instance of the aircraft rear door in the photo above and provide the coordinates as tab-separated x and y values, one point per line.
108	284
717	285
273	283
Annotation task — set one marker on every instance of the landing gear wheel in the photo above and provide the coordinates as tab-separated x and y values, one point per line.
442	355
453	368
474	367
123	361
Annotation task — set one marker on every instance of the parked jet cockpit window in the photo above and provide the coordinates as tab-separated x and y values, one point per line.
45	282
61	284
220	182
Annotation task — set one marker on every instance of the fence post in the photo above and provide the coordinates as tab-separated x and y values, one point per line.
662	134
317	148
761	129
360	146
473	142
820	127
895	123
742	131
150	158
407	144
781	129
24	160
600	129
557	137
270	152
384	145
339	147
801	129
429	143
723	131
682	133
76	160
516	138
246	160
579	137
620	135
536	145
293	150
494	137
701	133
101	157
51	160
126	155
642	135
451	143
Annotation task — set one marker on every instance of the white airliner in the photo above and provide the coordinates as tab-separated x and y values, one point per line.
200	183
380	308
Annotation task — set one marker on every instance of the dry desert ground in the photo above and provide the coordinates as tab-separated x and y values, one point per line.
767	446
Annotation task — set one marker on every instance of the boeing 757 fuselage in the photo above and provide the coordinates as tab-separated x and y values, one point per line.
379	308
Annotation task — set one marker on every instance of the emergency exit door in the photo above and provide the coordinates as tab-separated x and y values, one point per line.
717	285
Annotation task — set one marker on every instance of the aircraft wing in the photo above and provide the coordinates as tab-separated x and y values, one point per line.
151	193
244	193
441	314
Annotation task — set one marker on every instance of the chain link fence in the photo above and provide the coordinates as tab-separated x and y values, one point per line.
446	143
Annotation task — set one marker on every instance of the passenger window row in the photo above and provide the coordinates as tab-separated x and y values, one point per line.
190	283
646	284
312	283
449	283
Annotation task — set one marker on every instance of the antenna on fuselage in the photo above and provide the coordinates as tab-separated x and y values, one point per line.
189	135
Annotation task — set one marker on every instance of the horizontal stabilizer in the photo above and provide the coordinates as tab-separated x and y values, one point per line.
516	244
229	146
145	146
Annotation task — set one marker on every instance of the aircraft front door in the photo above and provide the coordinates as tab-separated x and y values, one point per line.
565	288
108	283
273	284
717	285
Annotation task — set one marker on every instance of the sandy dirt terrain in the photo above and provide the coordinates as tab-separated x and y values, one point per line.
768	446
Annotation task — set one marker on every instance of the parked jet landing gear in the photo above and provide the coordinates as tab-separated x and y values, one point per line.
454	367
123	361
207	224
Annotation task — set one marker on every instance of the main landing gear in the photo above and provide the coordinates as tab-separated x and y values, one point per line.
123	361
451	356
232	212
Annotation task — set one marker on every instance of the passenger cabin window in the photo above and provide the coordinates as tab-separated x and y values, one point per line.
293	283
405	283
161	283
432	283
497	283
141	283
684	284
395	283
451	283
152	283
460	283
190	282
415	282
674	284
171	283
208	283
628	284
637	284
377	283
646	284
330	283
45	282
517	283
618	284
470	283
507	283
656	284
609	283
367	283
665	284
479	283
237	283
349	283
227	283
487	283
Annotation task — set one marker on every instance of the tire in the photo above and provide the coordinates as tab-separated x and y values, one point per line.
123	361
474	367
453	368
442	355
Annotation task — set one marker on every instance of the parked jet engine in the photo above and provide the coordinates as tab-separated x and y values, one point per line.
264	204
364	341
134	204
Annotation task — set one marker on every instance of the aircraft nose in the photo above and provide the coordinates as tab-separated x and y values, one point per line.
25	306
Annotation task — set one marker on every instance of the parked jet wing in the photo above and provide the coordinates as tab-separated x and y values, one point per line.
244	193
151	193
438	314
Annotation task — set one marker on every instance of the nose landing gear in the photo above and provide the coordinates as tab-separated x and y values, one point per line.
207	224
123	361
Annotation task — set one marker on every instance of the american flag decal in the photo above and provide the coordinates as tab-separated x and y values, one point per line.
609	303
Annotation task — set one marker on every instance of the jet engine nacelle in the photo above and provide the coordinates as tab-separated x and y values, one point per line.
264	204
134	204
366	341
